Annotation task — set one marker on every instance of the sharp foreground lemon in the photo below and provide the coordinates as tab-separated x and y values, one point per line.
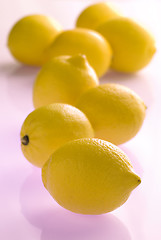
47	128
83	41
96	14
63	80
30	36
89	176
133	47
115	112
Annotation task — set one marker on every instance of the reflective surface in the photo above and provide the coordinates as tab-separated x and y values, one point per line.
27	211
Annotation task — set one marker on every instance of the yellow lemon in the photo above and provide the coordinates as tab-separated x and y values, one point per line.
63	79
115	112
133	47
83	41
96	14
47	128
89	176
30	36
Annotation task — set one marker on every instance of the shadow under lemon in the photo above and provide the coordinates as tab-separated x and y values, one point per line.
56	223
20	80
137	203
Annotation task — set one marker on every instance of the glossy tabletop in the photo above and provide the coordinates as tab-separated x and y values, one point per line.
27	211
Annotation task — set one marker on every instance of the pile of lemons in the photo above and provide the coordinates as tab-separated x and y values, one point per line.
73	132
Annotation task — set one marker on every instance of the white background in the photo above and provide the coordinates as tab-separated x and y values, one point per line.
27	211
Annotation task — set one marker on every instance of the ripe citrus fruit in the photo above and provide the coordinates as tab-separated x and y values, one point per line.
86	42
30	36
115	112
133	47
47	128
96	14
63	79
89	176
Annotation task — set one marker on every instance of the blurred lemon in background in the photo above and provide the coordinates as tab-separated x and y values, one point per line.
30	36
133	47
63	79
96	14
86	42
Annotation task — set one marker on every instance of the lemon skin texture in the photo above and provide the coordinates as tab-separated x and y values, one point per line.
86	42
89	176
63	79
115	112
30	36
96	14
133	47
47	128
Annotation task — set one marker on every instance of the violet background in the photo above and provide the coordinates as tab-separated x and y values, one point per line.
27	211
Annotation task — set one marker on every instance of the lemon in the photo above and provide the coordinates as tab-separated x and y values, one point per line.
83	41
30	36
96	14
47	128
115	112
89	176
133	47
63	79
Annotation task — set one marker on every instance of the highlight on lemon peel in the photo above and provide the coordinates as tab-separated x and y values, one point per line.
63	79
48	127
30	36
86	42
96	14
89	176
115	112
133	46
